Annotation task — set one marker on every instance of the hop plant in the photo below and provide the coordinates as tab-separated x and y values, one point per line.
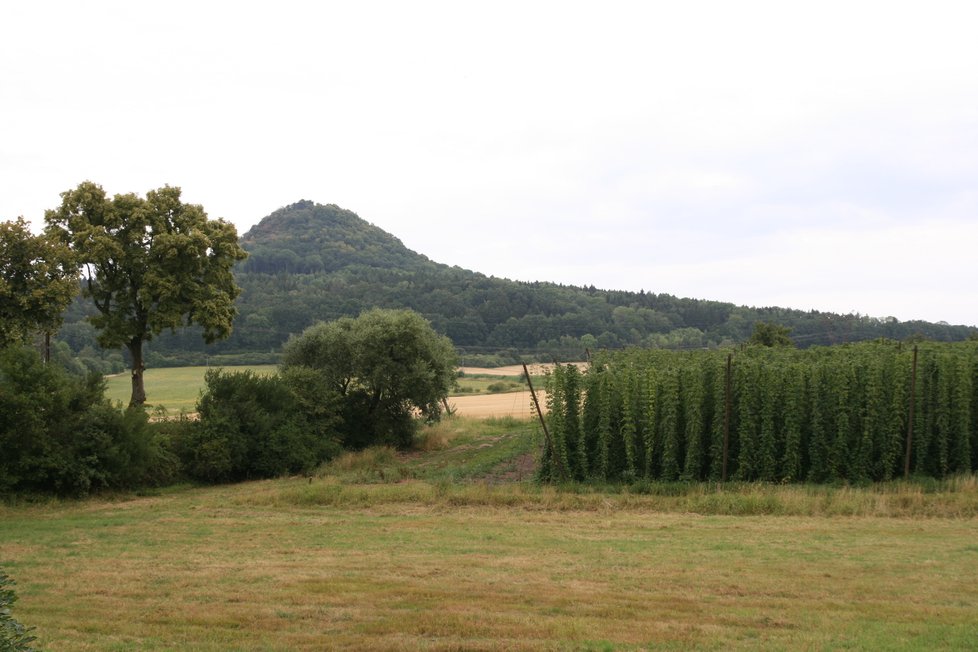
14	637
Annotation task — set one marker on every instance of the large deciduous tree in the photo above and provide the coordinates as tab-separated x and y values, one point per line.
384	367
149	264
37	282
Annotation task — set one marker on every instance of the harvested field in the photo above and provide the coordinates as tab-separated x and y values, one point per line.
510	404
518	405
536	369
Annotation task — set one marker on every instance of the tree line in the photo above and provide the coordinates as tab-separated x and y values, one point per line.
343	385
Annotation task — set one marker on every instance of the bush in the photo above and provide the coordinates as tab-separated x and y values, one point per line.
252	426
59	434
384	368
14	637
502	386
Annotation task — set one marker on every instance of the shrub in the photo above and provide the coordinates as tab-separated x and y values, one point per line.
59	434
252	426
384	367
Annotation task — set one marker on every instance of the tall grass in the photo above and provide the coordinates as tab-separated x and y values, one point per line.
954	498
453	450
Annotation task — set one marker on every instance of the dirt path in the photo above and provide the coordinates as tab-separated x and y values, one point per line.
511	404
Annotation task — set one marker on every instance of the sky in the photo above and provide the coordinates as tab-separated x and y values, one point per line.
812	155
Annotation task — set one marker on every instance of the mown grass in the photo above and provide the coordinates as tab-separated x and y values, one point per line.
425	566
455	449
445	548
176	389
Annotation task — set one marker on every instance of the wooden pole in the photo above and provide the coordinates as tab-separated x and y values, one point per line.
726	419
913	394
543	422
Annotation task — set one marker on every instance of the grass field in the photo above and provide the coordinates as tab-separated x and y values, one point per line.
177	388
444	548
486	384
174	388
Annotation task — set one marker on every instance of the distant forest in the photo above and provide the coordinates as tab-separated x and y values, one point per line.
310	262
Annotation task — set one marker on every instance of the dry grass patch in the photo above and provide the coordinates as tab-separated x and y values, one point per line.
280	565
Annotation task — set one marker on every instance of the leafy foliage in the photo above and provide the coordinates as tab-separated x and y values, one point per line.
58	434
255	426
14	637
836	414
151	264
37	282
381	368
768	334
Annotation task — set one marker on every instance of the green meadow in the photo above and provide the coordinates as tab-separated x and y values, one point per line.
176	389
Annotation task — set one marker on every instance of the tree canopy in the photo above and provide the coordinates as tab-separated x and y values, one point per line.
768	334
37	282
385	365
149	264
58	432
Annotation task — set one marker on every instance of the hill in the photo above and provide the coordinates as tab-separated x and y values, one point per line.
307	238
311	262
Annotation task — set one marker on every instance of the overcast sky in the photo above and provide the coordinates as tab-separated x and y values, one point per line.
804	154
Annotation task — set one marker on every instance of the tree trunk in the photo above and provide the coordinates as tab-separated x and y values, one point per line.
138	397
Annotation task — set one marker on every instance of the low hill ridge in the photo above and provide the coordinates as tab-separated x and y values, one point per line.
312	262
342	264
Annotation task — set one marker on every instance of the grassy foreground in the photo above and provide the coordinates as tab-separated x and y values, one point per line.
443	549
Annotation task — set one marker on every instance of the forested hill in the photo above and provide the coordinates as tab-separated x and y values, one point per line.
310	262
308	238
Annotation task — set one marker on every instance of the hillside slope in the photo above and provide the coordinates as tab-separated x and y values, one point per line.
307	238
311	262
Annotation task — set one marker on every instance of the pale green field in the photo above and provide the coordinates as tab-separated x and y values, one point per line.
177	388
486	384
174	388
